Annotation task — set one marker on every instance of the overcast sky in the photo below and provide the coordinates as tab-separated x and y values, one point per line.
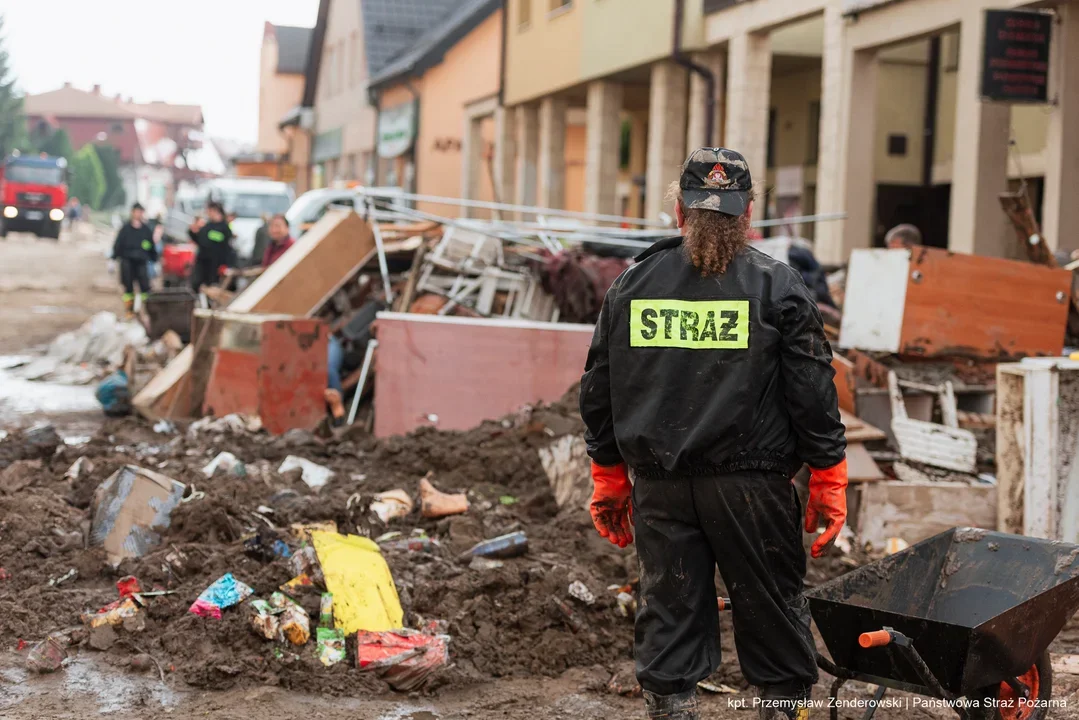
202	52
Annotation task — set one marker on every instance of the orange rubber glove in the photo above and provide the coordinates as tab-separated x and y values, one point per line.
827	499
612	510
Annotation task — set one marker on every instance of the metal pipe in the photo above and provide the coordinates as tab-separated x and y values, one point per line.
483	205
707	75
371	345
383	266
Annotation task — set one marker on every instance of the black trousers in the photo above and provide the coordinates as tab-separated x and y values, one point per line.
204	274
134	272
749	525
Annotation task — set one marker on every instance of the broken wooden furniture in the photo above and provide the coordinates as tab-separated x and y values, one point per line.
1038	448
269	366
946	446
928	302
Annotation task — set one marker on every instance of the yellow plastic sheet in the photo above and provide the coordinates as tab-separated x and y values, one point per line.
364	596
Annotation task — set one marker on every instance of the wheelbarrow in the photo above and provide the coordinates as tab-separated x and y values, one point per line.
966	616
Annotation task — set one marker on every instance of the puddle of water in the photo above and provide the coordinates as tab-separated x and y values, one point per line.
20	397
112	690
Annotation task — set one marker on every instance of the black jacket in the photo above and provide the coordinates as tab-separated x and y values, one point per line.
691	375
135	243
215	245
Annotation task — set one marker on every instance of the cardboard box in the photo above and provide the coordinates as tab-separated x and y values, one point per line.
131	509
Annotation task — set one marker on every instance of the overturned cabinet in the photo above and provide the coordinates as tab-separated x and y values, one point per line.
1038	448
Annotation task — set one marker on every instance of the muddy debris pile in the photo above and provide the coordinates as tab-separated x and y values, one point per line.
479	560
440	558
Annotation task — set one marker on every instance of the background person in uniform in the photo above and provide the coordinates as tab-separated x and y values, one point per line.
709	382
214	241
134	250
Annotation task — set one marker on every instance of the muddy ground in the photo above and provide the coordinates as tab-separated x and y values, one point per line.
48	287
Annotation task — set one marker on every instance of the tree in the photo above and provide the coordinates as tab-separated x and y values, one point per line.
58	144
12	119
114	184
88	177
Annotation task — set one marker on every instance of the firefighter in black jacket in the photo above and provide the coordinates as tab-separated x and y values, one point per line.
709	382
134	250
215	253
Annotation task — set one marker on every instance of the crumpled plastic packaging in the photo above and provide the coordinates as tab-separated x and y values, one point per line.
225	592
404	658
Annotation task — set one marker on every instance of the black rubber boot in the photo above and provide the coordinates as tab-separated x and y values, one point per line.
682	706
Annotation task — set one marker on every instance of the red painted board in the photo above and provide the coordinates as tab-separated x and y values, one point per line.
232	388
464	371
292	374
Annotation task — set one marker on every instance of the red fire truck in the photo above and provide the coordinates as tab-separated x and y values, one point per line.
33	193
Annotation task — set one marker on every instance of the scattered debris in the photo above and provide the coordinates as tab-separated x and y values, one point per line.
313	475
512	545
391	504
131	508
69	575
47	656
225	592
224	461
81	467
436	504
580	591
720	689
364	594
403	658
482	563
331	645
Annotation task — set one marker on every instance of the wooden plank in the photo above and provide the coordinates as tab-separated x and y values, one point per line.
845	386
858	430
982	307
301	280
916	511
452	373
860	466
874	300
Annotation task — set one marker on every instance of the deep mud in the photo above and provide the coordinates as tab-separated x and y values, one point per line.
505	626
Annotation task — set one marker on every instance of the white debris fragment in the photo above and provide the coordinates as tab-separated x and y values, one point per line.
314	475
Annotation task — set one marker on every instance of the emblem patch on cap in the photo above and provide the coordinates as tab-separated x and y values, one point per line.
717	177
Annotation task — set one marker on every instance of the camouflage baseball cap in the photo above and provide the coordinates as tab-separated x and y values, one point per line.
716	179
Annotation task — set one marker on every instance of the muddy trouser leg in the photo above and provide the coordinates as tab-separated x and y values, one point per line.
677	626
142	278
127	279
753	523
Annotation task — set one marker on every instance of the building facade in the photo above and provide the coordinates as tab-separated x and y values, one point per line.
865	107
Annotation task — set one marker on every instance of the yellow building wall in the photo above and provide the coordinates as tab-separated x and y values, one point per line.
559	49
792	94
900	111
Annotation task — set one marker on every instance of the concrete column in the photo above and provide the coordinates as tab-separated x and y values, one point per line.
505	155
838	105
527	126
471	162
716	61
976	224
1060	212
749	77
666	133
552	153
603	138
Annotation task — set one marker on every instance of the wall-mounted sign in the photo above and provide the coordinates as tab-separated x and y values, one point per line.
396	130
1015	59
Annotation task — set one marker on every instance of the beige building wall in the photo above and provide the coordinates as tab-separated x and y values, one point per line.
543	49
341	95
469	72
277	95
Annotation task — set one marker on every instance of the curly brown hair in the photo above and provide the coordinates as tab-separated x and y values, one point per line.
711	239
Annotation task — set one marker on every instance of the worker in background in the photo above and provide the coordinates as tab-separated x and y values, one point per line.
709	383
134	250
903	236
214	240
279	240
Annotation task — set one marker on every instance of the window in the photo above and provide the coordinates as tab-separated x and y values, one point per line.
561	5
524	14
117	128
897	145
813	131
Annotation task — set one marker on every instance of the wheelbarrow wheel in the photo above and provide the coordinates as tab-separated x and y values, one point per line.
1001	702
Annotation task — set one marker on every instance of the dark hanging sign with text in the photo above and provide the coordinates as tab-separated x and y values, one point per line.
1015	64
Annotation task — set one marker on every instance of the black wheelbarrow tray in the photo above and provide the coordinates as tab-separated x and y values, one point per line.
966	616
